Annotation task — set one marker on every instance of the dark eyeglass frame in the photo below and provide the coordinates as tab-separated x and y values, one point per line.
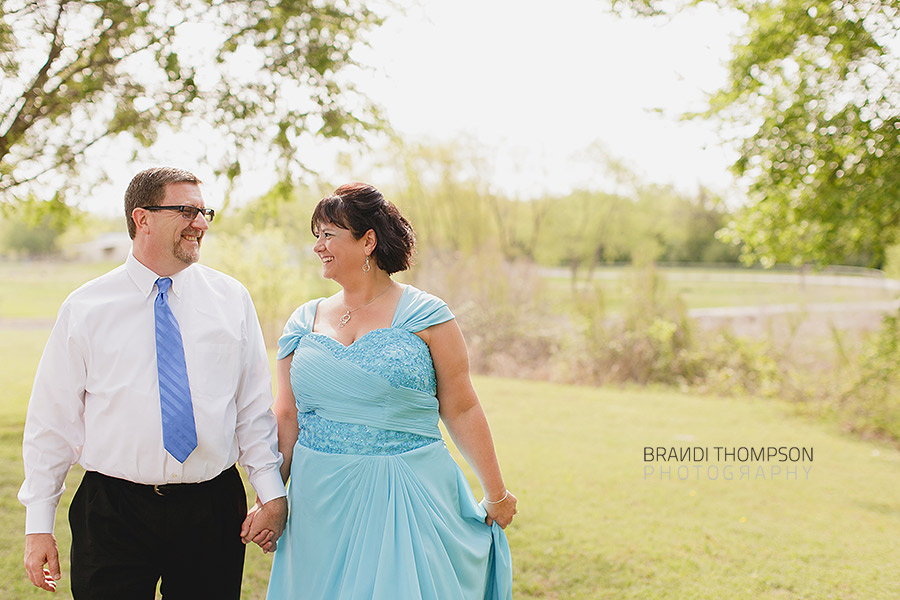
187	211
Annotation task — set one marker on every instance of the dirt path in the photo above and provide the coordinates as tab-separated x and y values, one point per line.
808	319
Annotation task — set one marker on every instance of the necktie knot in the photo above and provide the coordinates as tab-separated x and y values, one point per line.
163	284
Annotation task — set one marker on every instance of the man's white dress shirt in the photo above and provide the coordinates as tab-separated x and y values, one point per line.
95	399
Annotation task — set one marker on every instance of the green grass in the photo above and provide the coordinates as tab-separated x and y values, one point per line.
590	525
36	289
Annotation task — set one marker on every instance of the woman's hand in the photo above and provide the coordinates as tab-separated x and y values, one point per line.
501	511
251	531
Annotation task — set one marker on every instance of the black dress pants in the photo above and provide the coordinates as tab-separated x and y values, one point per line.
127	536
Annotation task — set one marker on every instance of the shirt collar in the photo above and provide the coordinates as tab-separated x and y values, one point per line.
145	279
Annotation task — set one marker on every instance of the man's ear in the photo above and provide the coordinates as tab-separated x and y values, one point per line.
141	219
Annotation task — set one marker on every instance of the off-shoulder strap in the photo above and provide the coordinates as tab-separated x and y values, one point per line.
300	323
420	310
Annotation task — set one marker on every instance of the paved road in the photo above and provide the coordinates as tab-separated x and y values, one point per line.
783	309
872	279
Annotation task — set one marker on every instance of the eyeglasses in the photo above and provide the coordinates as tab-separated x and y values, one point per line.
187	211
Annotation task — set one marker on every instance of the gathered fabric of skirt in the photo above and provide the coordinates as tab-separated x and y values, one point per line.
379	510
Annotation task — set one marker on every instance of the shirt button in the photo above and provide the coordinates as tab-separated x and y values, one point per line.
173	476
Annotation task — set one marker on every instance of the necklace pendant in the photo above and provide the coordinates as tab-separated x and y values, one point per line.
344	319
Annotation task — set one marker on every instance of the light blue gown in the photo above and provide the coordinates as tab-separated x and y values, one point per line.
378	508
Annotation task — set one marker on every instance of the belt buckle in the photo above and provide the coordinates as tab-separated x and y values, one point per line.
157	490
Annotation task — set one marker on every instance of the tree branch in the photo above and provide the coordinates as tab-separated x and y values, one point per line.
21	122
6	185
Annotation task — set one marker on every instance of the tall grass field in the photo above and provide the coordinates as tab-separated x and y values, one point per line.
598	519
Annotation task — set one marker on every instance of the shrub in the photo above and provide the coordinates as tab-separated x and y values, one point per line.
650	342
508	330
872	405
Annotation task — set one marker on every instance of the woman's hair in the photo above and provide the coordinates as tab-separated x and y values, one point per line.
359	207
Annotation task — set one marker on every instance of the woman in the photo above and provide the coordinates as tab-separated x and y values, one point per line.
378	508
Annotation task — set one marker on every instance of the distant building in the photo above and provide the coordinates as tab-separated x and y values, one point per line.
107	247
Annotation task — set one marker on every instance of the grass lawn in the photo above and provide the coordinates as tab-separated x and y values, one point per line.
593	522
591	525
36	289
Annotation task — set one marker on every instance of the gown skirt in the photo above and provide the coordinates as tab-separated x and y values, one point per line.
387	528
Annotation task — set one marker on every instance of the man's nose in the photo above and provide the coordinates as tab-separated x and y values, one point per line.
200	222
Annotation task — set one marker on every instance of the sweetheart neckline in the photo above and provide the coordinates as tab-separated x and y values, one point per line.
350	345
362	337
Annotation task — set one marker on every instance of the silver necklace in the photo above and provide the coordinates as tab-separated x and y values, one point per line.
346	318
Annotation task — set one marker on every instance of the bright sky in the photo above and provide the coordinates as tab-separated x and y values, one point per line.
541	82
536	84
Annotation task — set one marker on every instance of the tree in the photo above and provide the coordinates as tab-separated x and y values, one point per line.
264	73
32	227
442	190
814	94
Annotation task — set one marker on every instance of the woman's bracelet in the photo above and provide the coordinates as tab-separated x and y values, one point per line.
505	496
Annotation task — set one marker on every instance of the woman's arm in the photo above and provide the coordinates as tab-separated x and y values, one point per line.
465	420
285	409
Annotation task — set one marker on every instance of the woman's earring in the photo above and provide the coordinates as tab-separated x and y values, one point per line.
367	267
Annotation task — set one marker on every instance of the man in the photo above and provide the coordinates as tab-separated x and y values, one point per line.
155	379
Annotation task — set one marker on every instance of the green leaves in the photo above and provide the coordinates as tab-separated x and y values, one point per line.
813	90
266	74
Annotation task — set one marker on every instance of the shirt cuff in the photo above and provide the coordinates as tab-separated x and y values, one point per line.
268	485
40	518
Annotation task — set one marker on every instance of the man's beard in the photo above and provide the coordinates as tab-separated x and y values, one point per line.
186	256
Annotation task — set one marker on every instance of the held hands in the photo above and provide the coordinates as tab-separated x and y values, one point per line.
501	511
265	524
40	550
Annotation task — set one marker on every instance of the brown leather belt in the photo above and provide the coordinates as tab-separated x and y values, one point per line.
163	489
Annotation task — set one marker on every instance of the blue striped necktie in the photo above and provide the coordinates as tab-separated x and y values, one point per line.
179	433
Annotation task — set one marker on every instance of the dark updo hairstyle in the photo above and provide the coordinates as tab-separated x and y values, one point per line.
359	207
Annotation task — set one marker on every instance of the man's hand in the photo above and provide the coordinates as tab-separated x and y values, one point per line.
265	524
40	550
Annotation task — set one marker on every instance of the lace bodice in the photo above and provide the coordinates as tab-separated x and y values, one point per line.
399	356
